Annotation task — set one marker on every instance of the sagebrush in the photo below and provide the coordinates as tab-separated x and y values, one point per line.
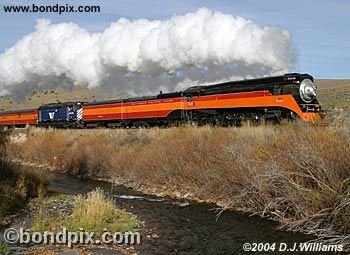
297	174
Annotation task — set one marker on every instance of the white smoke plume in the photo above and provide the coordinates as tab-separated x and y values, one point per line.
142	56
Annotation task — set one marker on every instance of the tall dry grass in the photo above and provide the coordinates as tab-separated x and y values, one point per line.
296	174
16	184
94	212
97	212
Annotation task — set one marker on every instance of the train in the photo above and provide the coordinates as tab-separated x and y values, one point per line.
272	99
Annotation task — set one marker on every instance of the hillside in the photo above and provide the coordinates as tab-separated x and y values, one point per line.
334	96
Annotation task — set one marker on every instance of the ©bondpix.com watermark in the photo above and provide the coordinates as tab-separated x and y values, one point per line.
63	236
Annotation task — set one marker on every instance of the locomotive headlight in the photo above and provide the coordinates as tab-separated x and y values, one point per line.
307	90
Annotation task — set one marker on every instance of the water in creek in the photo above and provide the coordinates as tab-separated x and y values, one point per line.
185	227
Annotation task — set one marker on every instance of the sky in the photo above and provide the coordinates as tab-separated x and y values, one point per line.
319	28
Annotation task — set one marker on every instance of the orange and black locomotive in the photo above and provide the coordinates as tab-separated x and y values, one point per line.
290	96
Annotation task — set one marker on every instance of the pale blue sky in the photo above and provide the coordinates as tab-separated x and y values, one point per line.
320	28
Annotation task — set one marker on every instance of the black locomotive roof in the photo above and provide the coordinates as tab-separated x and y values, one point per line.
267	83
251	84
55	105
125	100
136	99
287	78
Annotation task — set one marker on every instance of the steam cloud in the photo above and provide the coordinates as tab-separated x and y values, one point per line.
142	56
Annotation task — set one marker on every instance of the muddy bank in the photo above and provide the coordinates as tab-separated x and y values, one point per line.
184	226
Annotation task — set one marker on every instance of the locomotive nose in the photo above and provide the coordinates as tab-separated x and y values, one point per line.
307	90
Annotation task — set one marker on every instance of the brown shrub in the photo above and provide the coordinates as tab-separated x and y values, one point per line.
16	184
294	173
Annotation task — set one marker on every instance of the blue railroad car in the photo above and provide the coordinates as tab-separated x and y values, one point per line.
61	115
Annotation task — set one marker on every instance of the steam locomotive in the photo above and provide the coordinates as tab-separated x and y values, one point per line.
290	96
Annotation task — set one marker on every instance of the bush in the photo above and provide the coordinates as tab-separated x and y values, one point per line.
296	174
95	212
17	185
4	249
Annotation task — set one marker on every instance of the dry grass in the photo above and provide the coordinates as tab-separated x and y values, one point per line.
296	174
4	249
97	212
94	212
16	184
95	207
334	96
